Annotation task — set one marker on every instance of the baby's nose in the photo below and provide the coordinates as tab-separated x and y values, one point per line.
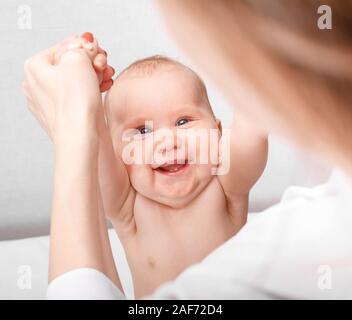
169	143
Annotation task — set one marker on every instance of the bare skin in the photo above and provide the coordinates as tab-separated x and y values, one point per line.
63	93
264	91
168	223
165	223
231	65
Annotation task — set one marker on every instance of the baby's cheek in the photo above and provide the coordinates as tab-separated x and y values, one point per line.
139	176
204	148
132	152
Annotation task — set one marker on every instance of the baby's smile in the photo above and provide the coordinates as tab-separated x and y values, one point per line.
173	168
163	127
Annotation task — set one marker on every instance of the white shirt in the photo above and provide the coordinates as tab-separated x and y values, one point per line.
300	248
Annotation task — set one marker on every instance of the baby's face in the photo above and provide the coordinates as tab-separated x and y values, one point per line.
161	126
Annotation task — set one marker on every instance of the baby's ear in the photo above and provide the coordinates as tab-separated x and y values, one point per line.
219	125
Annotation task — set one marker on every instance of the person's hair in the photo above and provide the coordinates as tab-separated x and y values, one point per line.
278	47
316	61
148	66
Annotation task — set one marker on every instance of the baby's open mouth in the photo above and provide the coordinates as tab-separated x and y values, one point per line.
173	168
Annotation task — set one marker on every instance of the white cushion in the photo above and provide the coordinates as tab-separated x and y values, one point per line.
24	267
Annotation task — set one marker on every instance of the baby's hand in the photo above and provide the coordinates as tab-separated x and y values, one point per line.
98	56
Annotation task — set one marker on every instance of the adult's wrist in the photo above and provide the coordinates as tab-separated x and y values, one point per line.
77	126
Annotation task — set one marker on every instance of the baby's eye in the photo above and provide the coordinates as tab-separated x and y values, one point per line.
144	130
181	121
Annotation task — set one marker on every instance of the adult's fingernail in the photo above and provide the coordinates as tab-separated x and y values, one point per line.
89	46
88	36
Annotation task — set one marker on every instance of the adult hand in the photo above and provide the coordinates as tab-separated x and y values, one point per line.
86	41
62	87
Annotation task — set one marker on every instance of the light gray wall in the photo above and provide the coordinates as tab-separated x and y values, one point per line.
129	30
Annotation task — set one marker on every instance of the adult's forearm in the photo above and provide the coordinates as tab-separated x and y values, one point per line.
75	237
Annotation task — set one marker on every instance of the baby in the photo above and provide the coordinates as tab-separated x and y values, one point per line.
168	206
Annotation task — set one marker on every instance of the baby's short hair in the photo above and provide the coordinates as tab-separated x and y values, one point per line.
147	66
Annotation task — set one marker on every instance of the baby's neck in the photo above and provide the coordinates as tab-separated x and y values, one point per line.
205	222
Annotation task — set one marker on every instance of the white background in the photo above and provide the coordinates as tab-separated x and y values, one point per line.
128	30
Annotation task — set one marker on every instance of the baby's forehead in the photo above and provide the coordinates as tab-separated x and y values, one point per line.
165	89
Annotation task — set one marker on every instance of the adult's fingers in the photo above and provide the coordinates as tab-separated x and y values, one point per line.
49	53
75	42
63	47
40	65
108	73
100	76
106	85
101	50
107	82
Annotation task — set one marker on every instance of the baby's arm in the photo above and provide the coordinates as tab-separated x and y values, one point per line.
114	182
248	156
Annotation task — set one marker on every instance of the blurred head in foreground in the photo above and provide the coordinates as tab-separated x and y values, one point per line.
282	63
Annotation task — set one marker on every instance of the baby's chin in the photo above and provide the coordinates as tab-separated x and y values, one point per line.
176	202
178	195
171	198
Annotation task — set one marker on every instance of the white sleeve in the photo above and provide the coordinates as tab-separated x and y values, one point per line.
83	284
